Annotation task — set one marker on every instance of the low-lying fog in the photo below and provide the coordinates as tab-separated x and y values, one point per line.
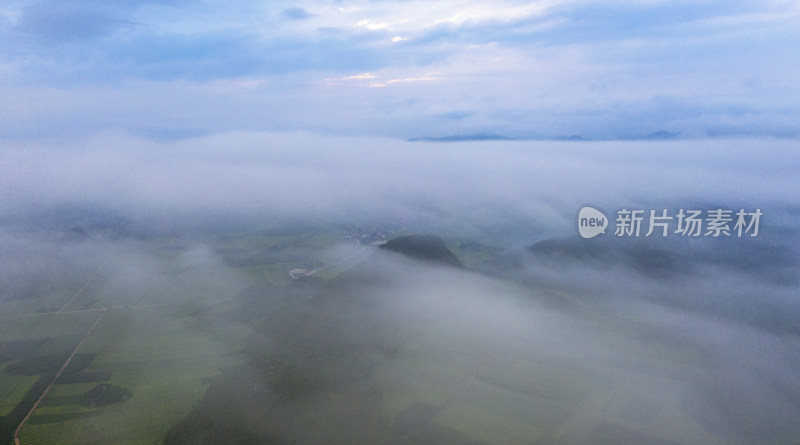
265	177
709	330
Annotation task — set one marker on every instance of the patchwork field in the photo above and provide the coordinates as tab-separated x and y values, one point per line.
164	364
169	332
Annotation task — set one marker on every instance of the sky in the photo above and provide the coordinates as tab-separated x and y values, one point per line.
400	69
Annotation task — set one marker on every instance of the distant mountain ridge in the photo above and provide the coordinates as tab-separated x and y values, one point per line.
463	138
660	135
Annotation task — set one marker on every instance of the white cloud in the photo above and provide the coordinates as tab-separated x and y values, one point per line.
359	77
418	16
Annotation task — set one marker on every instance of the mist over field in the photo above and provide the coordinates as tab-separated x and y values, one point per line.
688	340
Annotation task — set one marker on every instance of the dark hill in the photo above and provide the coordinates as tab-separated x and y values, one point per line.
424	247
75	234
652	260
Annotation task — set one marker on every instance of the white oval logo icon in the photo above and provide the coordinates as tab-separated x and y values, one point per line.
591	222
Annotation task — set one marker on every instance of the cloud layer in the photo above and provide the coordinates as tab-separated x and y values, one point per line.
534	187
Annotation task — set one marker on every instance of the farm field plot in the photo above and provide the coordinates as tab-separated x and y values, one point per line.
32	349
163	363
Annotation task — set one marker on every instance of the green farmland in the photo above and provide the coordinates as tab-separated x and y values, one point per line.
170	340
